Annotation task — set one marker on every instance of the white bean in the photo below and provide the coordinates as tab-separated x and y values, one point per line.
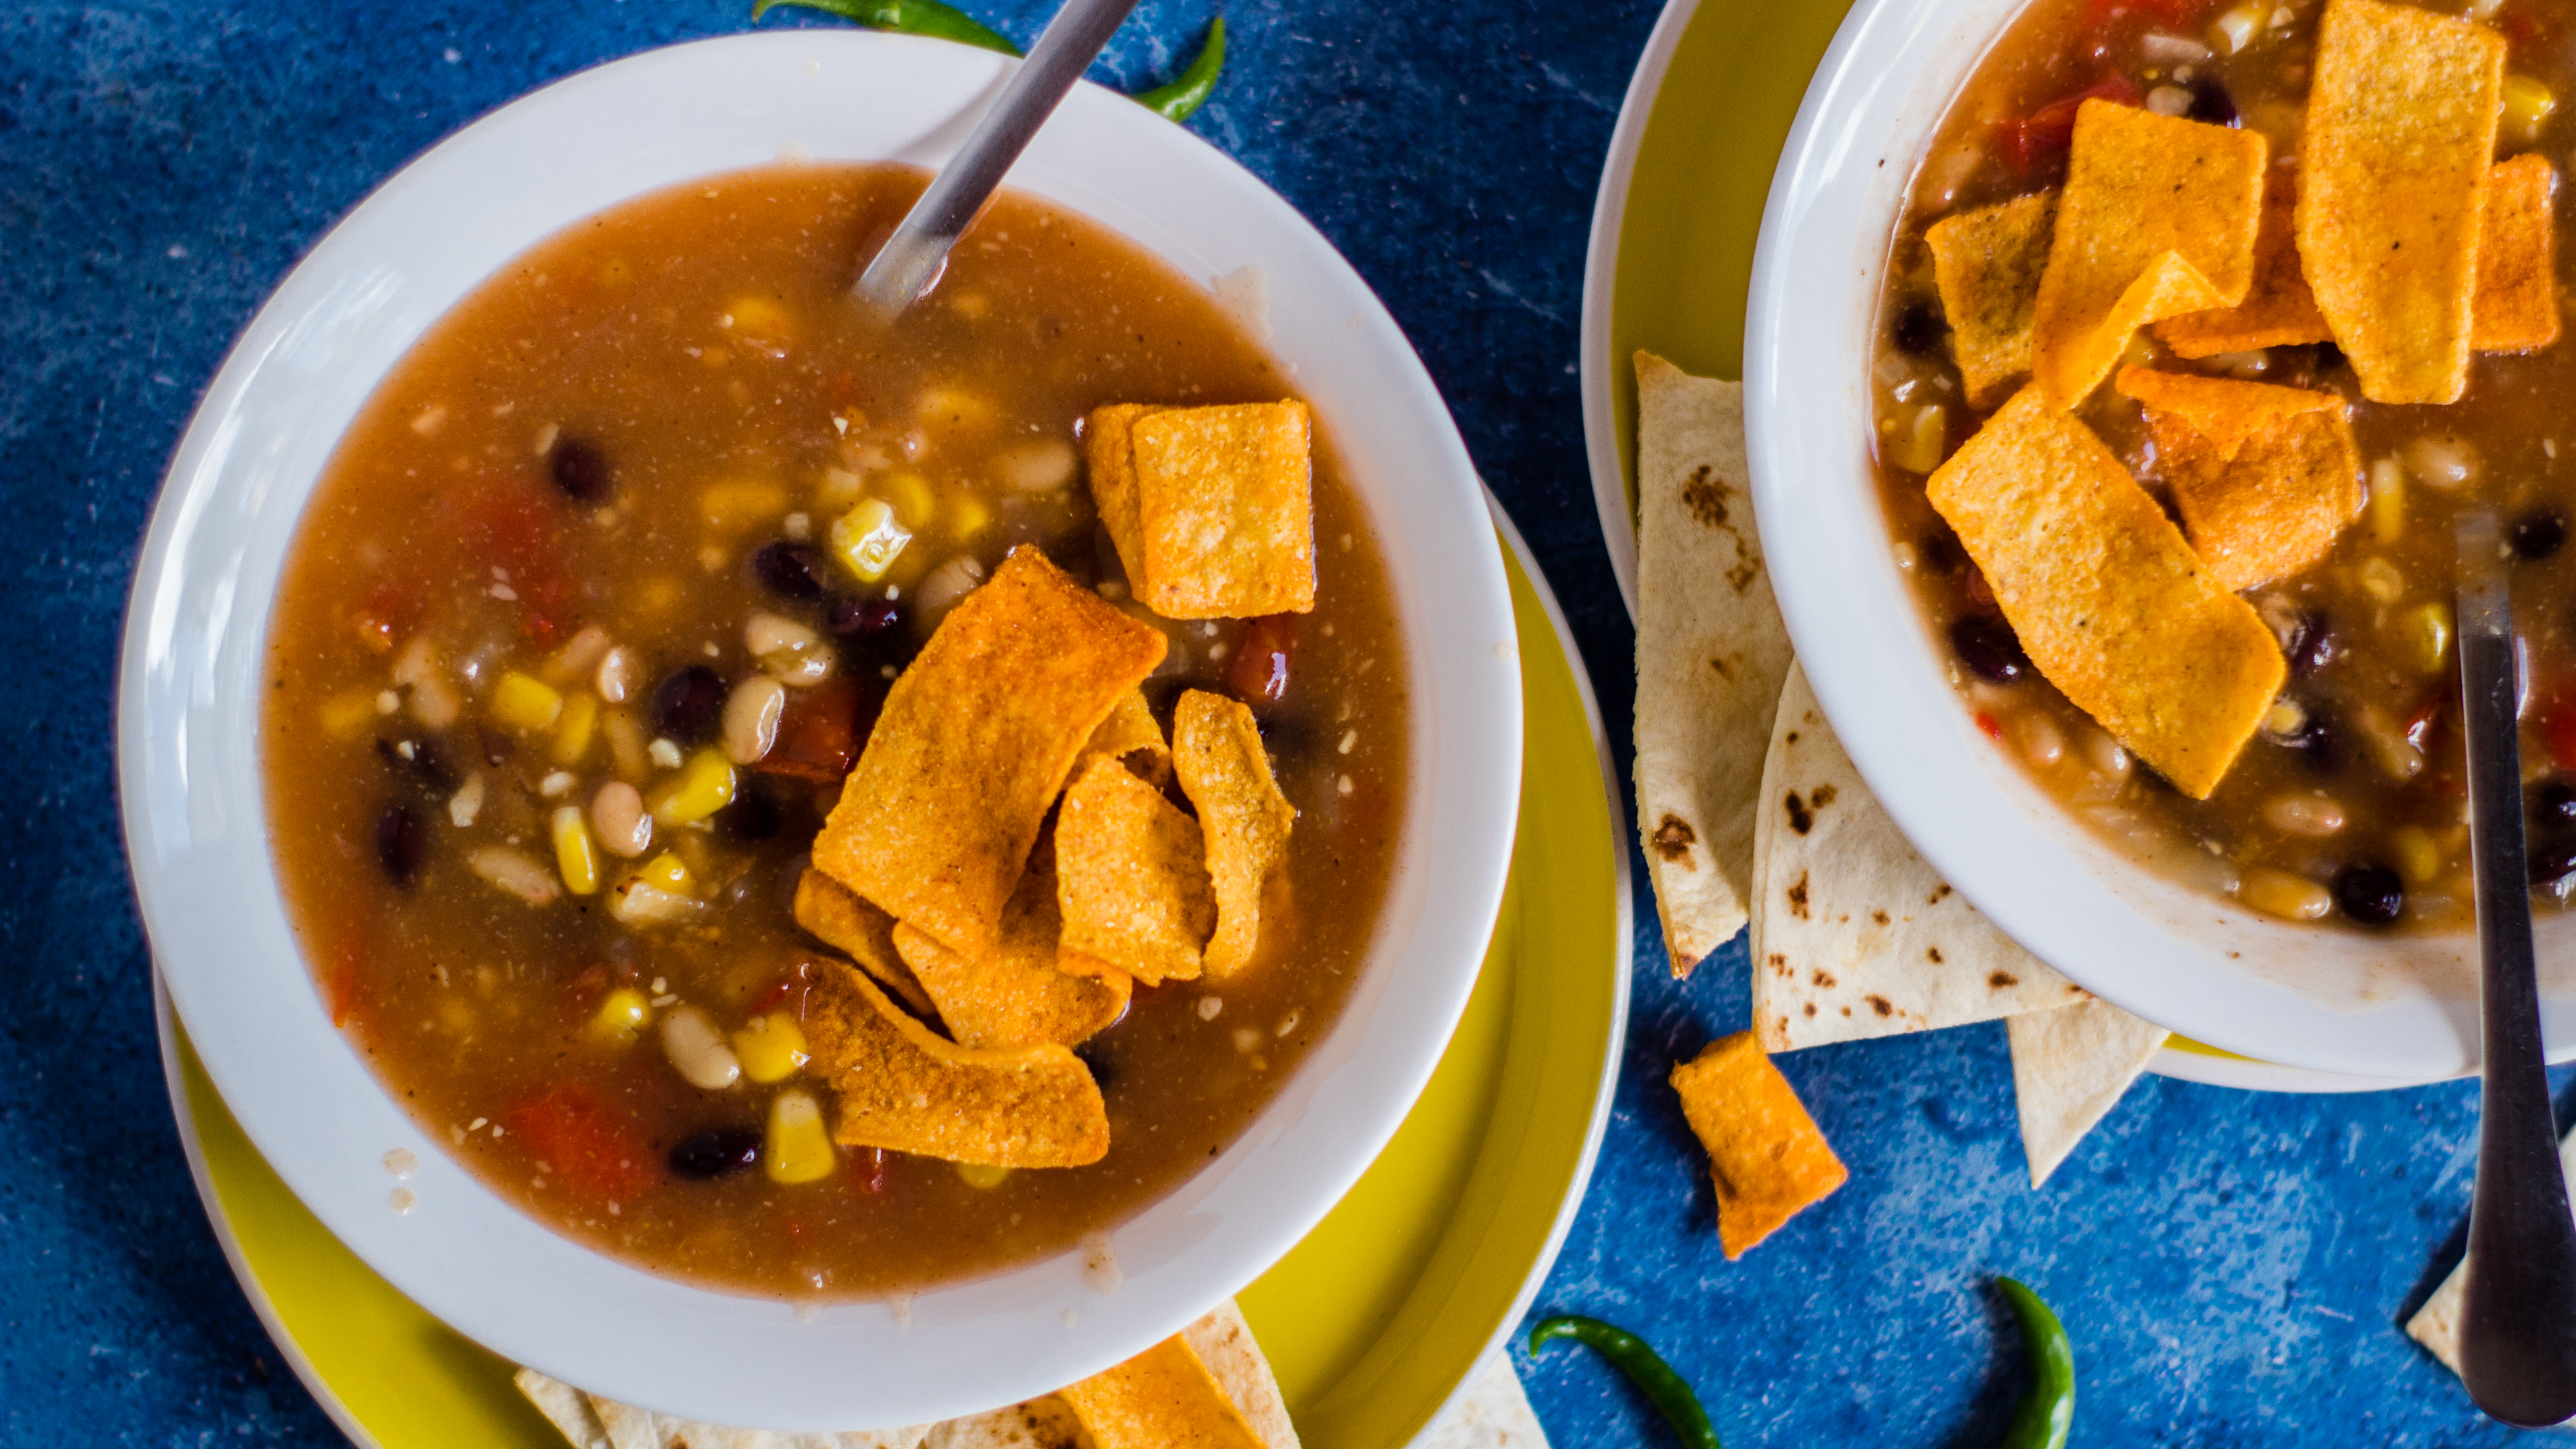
1040	467
698	1050
618	669
2041	742
751	715
2314	814
624	826
580	654
786	649
2442	462
516	872
947	584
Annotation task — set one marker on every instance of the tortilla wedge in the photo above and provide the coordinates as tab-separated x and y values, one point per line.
1046	1423
2436	1325
2070	1068
1987	265
1493	1413
1854	934
1711	654
588	1421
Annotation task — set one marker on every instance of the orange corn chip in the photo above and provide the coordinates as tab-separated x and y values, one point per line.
1110	460
1987	263
2278	310
1227	511
976	738
2158	219
1012	994
835	915
1132	876
2401	124
2109	601
904	1088
1163	1398
1764	1151
2266	477
1216	748
2517	299
1130	731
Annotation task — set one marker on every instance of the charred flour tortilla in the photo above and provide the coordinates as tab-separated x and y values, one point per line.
588	1421
2070	1068
1711	652
2436	1325
1854	935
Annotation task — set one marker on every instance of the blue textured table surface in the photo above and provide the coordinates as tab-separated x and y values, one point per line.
2233	1267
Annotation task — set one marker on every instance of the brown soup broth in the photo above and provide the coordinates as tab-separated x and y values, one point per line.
691	359
2364	768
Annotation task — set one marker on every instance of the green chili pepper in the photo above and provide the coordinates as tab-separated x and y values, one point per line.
2047	1408
1191	88
1644	1368
910	17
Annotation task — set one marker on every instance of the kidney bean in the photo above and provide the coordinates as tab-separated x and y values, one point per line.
1919	330
402	840
581	470
1988	646
2311	646
423	758
752	816
2553	867
791	570
689	703
2211	103
2370	893
2538	534
1259	674
2553	805
718	1153
852	618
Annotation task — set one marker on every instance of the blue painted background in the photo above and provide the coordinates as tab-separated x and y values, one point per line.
2233	1267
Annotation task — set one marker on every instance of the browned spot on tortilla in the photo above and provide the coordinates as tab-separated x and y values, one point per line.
1934	954
1937	895
1705	496
1825	979
1820	797
1799	818
1798	894
1780	964
1719	664
1793	737
1880	1005
1741	575
1879	916
1811	1010
1846	1011
2002	979
1674	838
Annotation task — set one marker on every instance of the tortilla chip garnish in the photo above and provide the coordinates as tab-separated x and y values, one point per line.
2401	124
1987	263
1109	460
1226	510
1711	652
2158	218
1854	934
2266	477
2109	600
1130	731
1132	873
1216	749
1163	1398
905	1088
2071	1066
1011	993
2278	310
1764	1152
936	822
837	916
2516	309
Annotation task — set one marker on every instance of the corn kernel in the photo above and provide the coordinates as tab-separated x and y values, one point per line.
704	786
2381	580
638	902
1917	447
2527	104
573	731
525	703
2426	630
346	716
839	490
915	502
576	855
968	516
984	1176
771	1049
867	539
2419	859
950	407
799	1148
622	1013
761	317
2279	893
2236	29
665	872
2388	500
740	504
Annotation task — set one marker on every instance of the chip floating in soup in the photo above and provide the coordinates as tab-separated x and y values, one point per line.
793	805
2204	324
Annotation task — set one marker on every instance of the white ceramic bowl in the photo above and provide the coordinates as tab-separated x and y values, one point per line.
196	828
2334	1001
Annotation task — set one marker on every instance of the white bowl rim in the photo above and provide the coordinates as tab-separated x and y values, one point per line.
196	822
2333	1002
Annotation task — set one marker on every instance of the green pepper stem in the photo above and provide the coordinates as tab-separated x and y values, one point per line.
1666	1390
907	17
1191	88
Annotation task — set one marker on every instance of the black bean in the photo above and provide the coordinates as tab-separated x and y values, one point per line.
2370	894
496	745
689	704
718	1153
2210	102
1988	646
863	618
402	839
423	758
2539	533
2553	867
581	470
2311	645
1940	551
2553	805
1919	330
753	814
791	570
2316	740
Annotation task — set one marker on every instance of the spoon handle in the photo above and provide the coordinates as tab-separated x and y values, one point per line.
2518	1323
912	259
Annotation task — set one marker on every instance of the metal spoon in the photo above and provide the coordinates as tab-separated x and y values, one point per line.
2518	1322
911	261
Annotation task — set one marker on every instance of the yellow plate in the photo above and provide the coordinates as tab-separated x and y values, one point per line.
1372	1322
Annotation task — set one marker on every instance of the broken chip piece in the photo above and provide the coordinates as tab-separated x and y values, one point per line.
1132	876
1764	1152
1161	1398
2401	126
2278	310
1011	993
976	739
1225	509
1128	733
904	1088
2107	597
2158	219
836	915
2516	308
1216	749
1987	264
2265	477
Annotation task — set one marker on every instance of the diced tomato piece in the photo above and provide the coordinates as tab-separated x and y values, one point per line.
1993	730
2106	15
822	731
514	523
2040	140
868	1171
345	994
594	1151
1259	676
788	990
2555	717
